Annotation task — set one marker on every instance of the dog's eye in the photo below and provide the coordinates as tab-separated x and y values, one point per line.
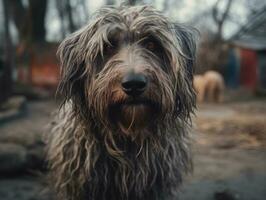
109	49
150	45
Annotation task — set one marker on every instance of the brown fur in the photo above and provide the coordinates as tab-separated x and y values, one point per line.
209	87
101	146
199	85
214	86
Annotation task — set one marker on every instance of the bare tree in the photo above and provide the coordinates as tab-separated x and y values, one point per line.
110	2
213	49
20	17
83	4
220	18
71	24
170	4
60	9
37	11
132	2
67	9
254	6
8	60
30	20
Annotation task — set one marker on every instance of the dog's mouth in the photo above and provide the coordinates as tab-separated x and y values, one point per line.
138	102
132	114
133	102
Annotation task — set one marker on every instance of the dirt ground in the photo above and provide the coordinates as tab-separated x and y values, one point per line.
229	153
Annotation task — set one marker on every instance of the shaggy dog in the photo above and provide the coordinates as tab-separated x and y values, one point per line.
199	85
209	87
214	86
122	130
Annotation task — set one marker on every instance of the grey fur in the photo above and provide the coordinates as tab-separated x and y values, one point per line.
91	156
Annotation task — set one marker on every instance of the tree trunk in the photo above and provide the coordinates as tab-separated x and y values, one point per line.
20	17
132	2
29	21
9	59
220	19
60	9
37	11
72	27
109	2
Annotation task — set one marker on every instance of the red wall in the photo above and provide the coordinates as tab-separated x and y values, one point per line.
44	67
248	69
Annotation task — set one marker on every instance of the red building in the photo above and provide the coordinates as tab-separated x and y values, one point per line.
38	66
247	60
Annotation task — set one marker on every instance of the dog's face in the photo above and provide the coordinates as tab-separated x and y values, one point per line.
129	68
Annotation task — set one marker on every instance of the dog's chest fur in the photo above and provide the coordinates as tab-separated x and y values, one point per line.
137	177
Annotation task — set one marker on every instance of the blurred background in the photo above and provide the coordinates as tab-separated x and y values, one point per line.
229	133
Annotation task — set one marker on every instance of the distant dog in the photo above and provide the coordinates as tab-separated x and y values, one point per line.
209	87
214	86
199	85
122	130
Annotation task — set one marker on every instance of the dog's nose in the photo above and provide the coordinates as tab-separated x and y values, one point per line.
134	84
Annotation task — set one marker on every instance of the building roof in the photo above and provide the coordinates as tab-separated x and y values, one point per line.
253	34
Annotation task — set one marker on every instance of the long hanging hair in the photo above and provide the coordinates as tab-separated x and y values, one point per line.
88	157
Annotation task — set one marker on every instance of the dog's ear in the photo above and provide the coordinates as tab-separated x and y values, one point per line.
185	97
186	37
71	66
76	54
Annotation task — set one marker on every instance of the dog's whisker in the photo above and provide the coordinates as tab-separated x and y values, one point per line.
140	149
133	119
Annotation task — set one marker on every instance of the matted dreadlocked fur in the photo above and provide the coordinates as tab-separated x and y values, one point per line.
102	147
